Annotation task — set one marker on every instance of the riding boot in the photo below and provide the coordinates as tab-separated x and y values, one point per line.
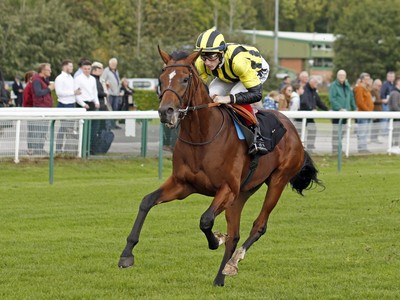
258	146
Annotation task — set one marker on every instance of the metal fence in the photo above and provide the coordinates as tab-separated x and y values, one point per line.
27	133
30	138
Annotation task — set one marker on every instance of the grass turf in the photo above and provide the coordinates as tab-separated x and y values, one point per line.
63	241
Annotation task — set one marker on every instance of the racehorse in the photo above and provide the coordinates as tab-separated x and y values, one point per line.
209	159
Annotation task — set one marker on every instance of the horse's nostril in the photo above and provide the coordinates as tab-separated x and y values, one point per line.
166	113
170	111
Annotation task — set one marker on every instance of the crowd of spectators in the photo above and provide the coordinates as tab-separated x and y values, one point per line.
94	87
365	95
91	87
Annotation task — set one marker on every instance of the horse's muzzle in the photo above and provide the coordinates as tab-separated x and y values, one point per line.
168	115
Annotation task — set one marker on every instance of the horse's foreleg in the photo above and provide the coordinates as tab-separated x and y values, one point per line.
221	199
259	226
232	216
169	191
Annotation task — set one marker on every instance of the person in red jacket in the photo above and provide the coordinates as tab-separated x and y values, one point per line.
41	97
28	90
42	88
27	101
363	97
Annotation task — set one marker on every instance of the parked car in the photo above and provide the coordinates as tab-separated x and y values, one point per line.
149	84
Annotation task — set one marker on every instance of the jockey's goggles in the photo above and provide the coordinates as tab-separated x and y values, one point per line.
209	57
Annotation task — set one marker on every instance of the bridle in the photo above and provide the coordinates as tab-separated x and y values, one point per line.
185	96
184	111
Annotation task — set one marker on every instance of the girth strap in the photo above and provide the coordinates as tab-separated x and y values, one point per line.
252	168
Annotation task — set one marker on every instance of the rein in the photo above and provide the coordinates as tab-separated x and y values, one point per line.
209	141
184	111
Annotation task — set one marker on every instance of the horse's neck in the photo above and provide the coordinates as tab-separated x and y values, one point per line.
203	122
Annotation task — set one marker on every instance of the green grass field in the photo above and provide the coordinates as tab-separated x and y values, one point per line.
63	241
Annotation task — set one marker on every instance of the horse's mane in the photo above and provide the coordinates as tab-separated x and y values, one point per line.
179	54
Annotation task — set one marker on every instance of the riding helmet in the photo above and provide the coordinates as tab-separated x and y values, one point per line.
210	40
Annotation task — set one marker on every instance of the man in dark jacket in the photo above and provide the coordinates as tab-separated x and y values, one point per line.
4	97
394	105
18	90
102	136
309	101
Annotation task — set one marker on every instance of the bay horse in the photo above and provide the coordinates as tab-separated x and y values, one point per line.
209	159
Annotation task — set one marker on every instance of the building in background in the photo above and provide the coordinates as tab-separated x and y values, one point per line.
298	51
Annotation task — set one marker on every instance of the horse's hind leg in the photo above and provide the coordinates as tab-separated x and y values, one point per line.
274	192
169	191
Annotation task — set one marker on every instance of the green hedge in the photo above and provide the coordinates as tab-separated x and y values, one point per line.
325	98
146	100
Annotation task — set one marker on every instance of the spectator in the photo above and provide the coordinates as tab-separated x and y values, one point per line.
298	90
342	99
79	70
387	87
303	78
4	95
286	94
42	87
64	86
28	91
88	98
376	98
18	90
239	72
102	138
28	102
126	92
41	97
309	101
112	79
97	71
394	105
271	101
286	81
363	97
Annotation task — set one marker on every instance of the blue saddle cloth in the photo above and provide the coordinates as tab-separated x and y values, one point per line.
239	130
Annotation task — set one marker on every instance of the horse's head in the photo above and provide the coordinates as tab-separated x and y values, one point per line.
179	82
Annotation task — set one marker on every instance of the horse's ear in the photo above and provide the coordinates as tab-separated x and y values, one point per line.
164	55
192	57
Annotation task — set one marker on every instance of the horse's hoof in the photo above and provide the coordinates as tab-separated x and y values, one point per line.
126	262
216	283
221	237
230	270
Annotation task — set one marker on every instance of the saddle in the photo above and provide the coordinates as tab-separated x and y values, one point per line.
272	130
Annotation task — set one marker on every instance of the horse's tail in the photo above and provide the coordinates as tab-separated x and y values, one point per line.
306	177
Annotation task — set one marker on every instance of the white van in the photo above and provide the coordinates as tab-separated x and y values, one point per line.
149	84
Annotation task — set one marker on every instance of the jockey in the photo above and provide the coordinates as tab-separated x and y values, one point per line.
239	72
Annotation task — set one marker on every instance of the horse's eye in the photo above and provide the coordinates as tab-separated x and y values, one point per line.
186	80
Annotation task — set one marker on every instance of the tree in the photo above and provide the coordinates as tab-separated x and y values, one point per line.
368	39
297	15
27	40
